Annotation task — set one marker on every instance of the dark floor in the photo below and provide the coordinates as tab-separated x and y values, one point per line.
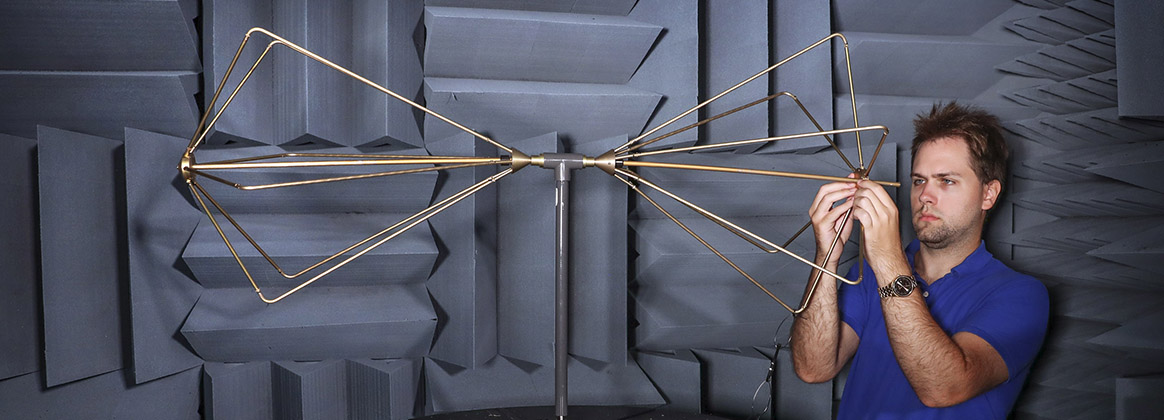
575	412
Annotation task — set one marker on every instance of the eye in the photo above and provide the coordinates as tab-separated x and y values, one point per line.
947	181
918	181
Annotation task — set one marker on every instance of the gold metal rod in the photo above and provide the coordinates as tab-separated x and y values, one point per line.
363	156
192	184
458	196
328	155
755	240
884	130
853	100
737	109
198	134
240	230
710	119
364	80
706	244
201	135
218	179
826	137
476	188
804	301
876	152
747	235
797	234
861	255
817	269
295	47
338	179
773	248
729	169
728	90
335	163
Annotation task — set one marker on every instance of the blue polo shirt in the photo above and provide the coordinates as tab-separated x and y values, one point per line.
981	296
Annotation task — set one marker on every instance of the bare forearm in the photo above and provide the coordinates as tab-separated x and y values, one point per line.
934	364
816	331
931	361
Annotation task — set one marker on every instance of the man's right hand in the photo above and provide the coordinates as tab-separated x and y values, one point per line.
822	343
827	220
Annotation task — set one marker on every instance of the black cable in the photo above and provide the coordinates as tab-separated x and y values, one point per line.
771	372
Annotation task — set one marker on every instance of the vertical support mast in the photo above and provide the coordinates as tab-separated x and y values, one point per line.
561	164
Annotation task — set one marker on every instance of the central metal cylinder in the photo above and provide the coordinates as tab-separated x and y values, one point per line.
562	298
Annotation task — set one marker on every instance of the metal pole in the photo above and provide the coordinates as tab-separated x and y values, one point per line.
561	329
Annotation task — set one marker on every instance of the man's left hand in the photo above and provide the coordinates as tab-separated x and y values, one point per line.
878	214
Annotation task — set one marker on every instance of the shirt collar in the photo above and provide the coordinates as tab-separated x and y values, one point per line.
972	263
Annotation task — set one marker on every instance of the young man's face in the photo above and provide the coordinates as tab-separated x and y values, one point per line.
949	202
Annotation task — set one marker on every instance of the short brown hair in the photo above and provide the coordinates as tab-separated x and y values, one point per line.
980	130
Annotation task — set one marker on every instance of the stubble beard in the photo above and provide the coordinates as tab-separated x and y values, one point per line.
938	234
935	237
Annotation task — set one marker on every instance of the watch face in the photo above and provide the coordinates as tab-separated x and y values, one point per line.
903	286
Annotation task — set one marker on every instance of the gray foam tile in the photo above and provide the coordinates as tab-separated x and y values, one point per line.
1082	94
669	69
668	255
464	283
98	103
101	36
1134	164
953	67
393	121
314	324
1138	95
374	40
1063	24
927	19
315	390
1139	398
1105	198
735	47
224	25
794	398
160	220
1050	402
1137	334
1078	234
237	391
600	7
680	317
1142	248
298	241
732	378
19	291
1111	306
525	260
382	389
313	101
450	389
794	26
524	45
1076	58
405	193
512	110
598	266
677	376
104	396
83	247
1085	270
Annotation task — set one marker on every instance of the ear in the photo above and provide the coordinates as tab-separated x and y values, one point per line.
990	194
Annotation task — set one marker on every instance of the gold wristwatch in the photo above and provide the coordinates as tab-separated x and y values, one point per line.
901	286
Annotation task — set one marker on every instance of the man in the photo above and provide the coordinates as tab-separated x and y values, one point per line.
940	329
